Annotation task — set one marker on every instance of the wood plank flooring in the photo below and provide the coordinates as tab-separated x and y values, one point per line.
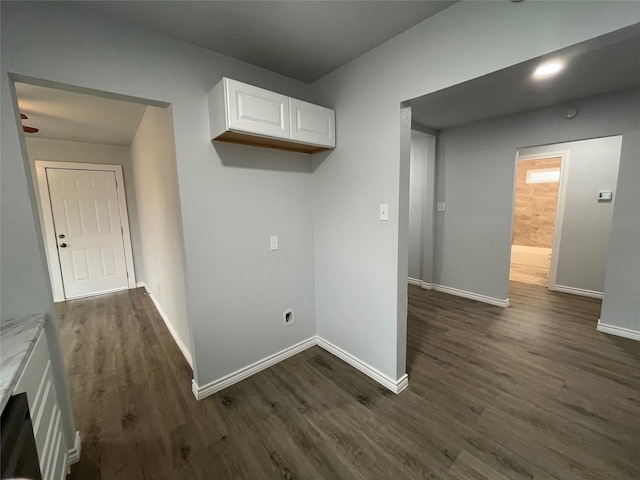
529	274
528	392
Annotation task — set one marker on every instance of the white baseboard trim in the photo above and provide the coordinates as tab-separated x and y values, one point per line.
183	348
73	455
578	291
141	284
396	386
618	331
201	392
426	286
414	281
472	296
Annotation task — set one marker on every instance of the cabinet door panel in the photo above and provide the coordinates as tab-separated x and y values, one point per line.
255	110
312	124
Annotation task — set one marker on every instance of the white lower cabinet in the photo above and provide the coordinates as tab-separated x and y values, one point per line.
37	381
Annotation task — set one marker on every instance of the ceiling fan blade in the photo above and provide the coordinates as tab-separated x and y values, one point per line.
23	116
30	129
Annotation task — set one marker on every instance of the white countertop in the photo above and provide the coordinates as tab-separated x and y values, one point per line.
17	338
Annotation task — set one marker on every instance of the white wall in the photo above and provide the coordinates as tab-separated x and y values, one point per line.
417	198
621	302
476	165
586	223
153	157
232	197
360	302
80	152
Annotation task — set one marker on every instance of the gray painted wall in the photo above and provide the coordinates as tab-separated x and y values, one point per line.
417	194
586	223
475	175
621	302
155	178
232	197
421	205
24	284
80	152
428	222
359	300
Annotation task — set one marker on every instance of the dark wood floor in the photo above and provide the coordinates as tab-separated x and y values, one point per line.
528	392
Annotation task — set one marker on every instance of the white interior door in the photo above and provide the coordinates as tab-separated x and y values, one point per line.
88	229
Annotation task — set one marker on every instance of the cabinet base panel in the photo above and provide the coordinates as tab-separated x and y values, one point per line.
244	139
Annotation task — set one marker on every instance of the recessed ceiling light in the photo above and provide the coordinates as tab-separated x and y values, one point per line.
547	69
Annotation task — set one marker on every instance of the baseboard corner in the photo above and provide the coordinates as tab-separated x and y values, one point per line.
402	383
414	281
396	386
210	388
195	389
73	455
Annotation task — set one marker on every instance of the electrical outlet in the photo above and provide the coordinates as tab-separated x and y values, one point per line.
287	317
441	207
274	243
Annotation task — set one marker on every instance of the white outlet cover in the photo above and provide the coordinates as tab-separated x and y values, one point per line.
441	207
274	243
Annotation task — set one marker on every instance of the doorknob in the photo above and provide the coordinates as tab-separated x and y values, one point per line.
63	245
61	235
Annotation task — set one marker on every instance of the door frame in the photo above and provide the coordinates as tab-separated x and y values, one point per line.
48	229
562	189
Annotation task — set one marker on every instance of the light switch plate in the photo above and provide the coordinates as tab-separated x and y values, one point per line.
441	207
274	243
384	211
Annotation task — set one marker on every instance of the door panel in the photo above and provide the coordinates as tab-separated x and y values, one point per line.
108	262
88	230
80	265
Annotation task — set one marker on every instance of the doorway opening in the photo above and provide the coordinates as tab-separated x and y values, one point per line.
536	198
105	179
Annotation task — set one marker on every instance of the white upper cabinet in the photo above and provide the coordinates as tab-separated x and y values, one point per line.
241	113
256	110
312	124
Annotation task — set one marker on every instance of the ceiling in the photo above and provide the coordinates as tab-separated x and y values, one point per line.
304	40
601	65
63	115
